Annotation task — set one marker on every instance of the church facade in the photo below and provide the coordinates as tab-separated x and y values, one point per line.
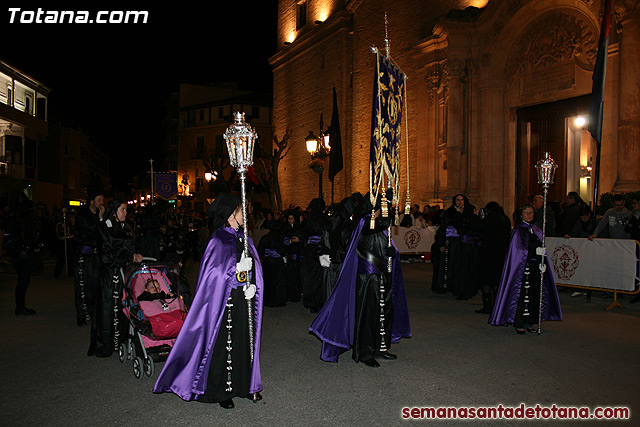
492	86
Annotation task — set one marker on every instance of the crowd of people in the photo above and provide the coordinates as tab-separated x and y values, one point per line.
473	245
339	261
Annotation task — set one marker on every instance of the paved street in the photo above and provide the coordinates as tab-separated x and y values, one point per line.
453	359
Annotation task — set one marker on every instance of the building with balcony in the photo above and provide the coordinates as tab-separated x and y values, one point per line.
23	128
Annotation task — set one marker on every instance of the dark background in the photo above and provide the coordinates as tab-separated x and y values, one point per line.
112	80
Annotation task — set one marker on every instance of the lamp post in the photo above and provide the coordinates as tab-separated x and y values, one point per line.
319	149
546	169
211	178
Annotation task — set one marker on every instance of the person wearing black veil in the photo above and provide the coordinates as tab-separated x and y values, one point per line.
292	240
117	249
458	249
494	233
272	250
367	310
340	228
314	228
213	359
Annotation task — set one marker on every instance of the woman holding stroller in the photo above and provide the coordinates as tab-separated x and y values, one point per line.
216	356
118	249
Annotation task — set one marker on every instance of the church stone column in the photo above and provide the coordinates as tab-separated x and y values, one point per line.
629	103
455	167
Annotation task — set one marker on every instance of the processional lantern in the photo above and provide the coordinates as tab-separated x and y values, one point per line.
546	171
240	138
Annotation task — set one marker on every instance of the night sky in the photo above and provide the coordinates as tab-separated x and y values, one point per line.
113	79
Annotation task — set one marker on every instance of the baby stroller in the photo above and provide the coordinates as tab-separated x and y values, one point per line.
154	319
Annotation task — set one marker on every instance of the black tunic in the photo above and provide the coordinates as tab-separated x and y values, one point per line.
369	286
87	264
117	249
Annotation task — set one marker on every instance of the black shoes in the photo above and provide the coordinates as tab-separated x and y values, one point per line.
372	363
255	397
227	404
520	331
24	311
386	355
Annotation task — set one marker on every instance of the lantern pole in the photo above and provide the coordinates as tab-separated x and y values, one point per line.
240	139
546	170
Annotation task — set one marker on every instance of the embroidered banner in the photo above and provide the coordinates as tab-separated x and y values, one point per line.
384	154
600	263
166	184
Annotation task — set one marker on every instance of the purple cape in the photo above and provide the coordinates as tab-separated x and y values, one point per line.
335	323
185	372
506	305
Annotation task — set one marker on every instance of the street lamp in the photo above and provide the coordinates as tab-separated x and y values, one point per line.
211	178
318	148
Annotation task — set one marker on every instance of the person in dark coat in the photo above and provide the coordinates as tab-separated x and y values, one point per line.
22	245
87	266
292	240
272	250
340	228
313	228
458	249
494	233
116	251
569	214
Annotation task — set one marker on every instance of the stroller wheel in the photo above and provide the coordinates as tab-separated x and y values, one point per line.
122	352
148	366
137	367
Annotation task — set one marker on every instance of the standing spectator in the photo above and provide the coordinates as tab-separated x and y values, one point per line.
538	206
22	245
570	211
633	227
614	221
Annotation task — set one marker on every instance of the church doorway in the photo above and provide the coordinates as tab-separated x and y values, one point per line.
558	128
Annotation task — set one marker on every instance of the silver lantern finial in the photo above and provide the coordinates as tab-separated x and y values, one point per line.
240	138
546	170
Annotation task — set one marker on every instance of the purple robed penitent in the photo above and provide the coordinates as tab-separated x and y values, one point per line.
506	305
186	370
335	323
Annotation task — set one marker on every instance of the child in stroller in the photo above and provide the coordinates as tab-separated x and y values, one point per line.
155	310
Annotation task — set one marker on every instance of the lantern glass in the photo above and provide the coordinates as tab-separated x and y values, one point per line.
546	169
311	142
240	138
